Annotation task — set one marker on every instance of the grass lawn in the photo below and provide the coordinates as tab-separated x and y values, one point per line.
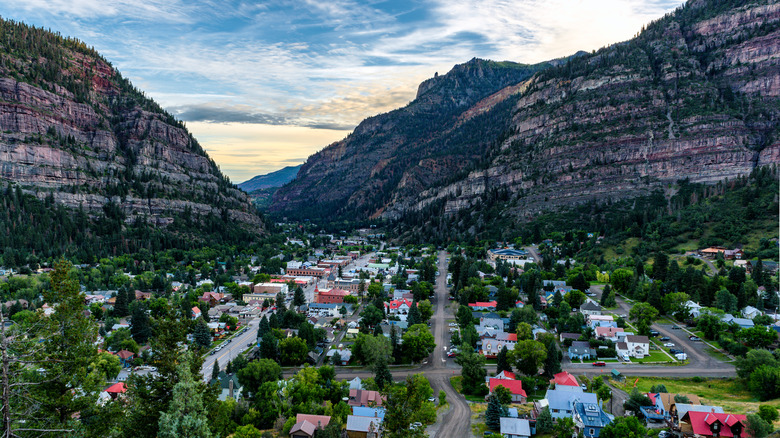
457	384
655	356
732	394
717	354
478	426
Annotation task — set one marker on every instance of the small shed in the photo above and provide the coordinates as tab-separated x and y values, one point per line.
617	376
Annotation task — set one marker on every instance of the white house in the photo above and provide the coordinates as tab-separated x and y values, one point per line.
601	321
693	308
750	312
590	307
638	346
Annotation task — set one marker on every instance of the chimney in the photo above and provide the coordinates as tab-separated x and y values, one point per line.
230	388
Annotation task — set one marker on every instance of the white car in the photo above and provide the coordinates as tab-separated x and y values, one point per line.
668	344
452	324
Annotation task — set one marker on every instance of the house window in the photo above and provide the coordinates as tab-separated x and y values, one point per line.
592	432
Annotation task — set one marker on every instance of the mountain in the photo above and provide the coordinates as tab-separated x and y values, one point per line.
274	179
77	135
693	96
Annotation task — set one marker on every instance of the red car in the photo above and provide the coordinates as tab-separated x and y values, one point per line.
599	364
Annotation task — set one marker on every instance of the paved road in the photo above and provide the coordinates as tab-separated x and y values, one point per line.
232	350
457	422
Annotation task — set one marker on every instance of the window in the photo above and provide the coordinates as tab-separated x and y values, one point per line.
592	432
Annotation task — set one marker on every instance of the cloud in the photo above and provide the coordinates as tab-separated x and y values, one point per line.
238	113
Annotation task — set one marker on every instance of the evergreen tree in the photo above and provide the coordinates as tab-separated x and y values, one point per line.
605	295
552	365
378	330
758	273
273	321
215	370
394	344
544	423
414	315
186	416
263	328
202	334
660	266
502	362
229	368
120	306
299	299
383	376
268	347
493	413
140	328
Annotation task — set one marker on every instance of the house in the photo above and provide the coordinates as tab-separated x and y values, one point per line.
362	397
564	379
363	427
306	425
683	408
126	357
491	347
741	322
609	333
561	402
572	336
590	308
515	387
638	346
515	427
212	298
507	375
581	350
116	390
519	304
507	254
601	321
362	411
589	419
491	322
398	307
664	405
706	424
229	386
196	313
345	355
484	306
750	312
621	348
356	383
694	309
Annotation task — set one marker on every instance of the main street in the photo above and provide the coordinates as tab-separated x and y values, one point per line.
231	350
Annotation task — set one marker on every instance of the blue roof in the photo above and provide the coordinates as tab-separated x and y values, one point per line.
560	399
362	411
591	415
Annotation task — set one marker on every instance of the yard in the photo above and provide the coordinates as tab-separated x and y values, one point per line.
655	356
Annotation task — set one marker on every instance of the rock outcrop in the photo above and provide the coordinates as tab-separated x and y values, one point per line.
74	130
694	95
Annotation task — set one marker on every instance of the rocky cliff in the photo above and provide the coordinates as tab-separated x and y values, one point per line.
695	95
72	129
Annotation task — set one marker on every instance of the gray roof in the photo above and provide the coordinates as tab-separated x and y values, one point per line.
637	339
581	347
683	408
564	400
362	424
589	305
515	426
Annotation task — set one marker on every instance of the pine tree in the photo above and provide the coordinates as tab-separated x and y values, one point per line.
187	414
394	344
502	362
263	328
544	422
300	298
552	365
229	368
140	328
378	330
202	334
215	370
493	413
605	295
120	306
383	376
414	315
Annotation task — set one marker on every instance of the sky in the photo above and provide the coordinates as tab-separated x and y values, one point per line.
265	84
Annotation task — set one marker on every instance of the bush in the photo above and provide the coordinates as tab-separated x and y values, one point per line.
768	413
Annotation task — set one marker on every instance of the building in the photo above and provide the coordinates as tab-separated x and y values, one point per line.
590	308
229	386
664	405
352	284
609	333
581	350
484	306
363	427
331	296
269	288
306	425
507	254
515	387
362	397
713	424
515	428
589	419
601	321
638	346
561	402
564	379
298	269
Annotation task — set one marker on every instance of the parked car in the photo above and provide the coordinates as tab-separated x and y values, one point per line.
694	338
669	344
664	434
599	364
453	324
654	333
674	327
664	338
584	386
675	351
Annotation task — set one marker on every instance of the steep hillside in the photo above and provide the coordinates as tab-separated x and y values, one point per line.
444	131
694	95
76	133
274	179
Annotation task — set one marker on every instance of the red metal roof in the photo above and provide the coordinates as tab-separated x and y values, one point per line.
514	386
566	379
117	388
701	423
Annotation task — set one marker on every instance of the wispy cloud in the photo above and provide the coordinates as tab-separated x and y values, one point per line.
316	66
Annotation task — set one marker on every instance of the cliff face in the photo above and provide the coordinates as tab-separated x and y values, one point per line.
72	129
695	96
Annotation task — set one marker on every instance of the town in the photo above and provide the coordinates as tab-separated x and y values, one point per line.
334	335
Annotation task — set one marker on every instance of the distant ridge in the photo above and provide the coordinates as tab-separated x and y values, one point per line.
276	178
